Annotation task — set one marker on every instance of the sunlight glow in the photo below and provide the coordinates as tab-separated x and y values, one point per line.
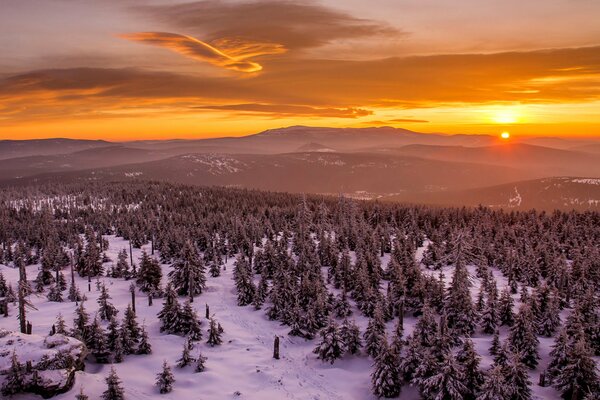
506	117
505	135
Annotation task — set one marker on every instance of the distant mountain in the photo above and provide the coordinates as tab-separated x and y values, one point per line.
360	174
563	193
540	161
24	148
314	148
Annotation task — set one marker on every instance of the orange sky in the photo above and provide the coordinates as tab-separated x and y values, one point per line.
134	69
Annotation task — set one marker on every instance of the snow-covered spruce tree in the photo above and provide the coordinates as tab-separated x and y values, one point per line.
149	274
331	346
341	306
115	390
118	351
144	346
495	347
165	379
262	292
558	357
426	328
60	325
494	386
447	383
200	363
350	334
243	282
106	310
14	381
189	323
170	314
90	263
130	323
121	270
517	378
385	378
186	358
96	342
580	375
549	318
468	360
505	308
54	294
489	316
523	339
412	358
74	293
80	323
374	334
398	338
459	309
188	274
214	334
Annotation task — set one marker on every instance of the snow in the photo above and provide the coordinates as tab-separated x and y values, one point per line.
589	181
217	164
243	363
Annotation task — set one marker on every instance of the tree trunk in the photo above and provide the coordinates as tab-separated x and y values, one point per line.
276	348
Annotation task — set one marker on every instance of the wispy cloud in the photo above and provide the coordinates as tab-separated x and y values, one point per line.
290	110
233	54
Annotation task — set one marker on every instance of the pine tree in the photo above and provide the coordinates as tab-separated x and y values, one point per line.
121	270
144	347
558	357
385	378
189	323
165	379
60	325
331	346
130	323
469	360
459	309
517	379
374	334
200	363
489	316
80	323
14	382
114	390
505	308
170	313
118	351
549	319
447	383
106	310
214	334
494	386
579	376
188	274
523	339
350	334
96	342
186	358
55	295
412	358
149	274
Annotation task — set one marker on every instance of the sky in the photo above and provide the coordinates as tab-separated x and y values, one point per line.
162	69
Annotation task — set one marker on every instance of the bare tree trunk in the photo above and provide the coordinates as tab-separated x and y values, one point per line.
276	348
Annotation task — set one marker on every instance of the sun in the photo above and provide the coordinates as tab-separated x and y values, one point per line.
505	135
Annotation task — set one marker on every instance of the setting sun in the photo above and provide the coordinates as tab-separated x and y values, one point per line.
505	135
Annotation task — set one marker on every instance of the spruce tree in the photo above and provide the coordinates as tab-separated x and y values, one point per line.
385	378
149	274
144	347
523	339
200	363
165	379
114	391
350	334
447	383
580	375
186	358
189	323
469	360
331	347
558	357
494	386
14	381
517	378
505	308
214	334
106	310
170	314
374	334
188	274
81	395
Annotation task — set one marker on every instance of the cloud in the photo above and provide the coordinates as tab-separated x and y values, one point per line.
315	87
290	110
293	24
233	54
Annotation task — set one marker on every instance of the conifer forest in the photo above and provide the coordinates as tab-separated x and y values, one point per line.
146	290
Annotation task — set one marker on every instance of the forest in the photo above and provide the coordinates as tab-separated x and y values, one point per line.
395	300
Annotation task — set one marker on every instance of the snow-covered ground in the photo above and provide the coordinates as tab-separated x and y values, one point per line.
242	367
